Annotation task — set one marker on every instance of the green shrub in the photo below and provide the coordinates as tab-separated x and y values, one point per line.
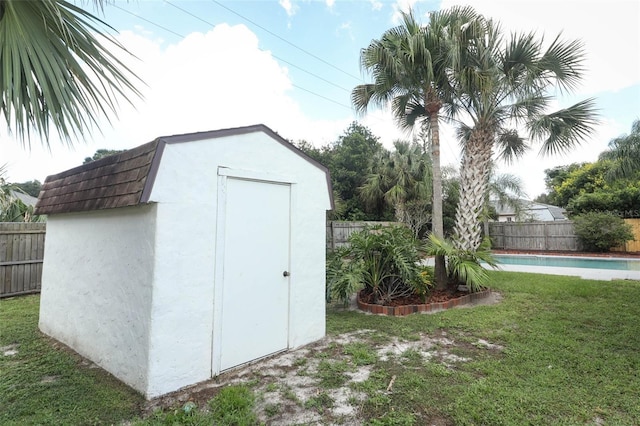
600	232
384	260
463	267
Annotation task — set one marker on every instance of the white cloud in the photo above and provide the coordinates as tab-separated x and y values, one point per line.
330	3
345	28
209	81
376	5
288	6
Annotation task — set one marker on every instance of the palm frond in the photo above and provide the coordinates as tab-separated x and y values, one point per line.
624	153
56	72
564	129
511	145
563	62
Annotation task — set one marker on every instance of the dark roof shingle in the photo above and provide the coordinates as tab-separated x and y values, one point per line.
114	181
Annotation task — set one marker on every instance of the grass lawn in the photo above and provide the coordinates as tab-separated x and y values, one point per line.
556	350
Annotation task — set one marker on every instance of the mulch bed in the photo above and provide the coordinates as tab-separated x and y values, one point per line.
435	296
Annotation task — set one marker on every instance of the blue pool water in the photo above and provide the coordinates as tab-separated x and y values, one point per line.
569	262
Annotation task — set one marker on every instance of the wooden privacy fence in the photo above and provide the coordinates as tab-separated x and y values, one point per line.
338	232
632	246
551	236
21	254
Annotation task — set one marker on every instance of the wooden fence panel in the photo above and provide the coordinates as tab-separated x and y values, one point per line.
21	255
549	236
338	232
632	246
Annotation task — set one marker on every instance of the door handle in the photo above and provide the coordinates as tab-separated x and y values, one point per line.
285	274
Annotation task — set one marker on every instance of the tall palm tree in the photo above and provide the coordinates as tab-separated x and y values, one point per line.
624	151
409	65
502	84
58	69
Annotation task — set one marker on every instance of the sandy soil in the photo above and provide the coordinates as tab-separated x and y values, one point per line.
287	382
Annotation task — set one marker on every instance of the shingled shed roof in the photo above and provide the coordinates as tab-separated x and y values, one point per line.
126	179
114	181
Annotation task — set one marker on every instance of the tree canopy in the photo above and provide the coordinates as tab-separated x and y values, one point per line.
101	153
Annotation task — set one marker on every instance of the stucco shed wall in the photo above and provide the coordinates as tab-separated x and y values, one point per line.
97	287
186	189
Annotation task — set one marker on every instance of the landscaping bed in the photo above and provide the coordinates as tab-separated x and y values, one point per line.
436	300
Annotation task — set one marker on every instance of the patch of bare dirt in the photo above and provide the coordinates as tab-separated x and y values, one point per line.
288	388
9	350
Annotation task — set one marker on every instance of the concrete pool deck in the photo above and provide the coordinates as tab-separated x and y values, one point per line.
585	273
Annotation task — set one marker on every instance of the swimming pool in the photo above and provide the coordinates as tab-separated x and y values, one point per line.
584	267
570	262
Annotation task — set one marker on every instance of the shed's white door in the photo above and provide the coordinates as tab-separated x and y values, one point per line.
255	293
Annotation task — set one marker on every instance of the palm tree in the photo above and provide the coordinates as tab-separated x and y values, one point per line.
624	151
58	70
12	208
503	84
409	65
402	179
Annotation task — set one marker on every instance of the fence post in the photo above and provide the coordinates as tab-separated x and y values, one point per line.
333	236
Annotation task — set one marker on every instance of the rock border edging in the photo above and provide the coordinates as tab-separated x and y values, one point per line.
426	307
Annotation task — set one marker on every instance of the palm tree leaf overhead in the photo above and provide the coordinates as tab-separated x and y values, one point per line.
58	70
564	129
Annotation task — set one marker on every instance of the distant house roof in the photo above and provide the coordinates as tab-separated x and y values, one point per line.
530	208
556	212
25	198
126	179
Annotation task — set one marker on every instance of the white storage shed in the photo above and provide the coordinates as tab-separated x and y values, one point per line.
187	256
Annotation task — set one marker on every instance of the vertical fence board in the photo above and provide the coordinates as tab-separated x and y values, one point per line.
21	255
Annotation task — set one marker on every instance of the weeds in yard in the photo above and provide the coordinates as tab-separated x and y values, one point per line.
233	406
331	373
300	362
394	418
556	350
289	394
272	410
321	402
361	353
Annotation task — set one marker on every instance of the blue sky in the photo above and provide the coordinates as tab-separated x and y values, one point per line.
292	64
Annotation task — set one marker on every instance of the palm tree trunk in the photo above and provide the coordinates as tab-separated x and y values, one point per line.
440	270
474	182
